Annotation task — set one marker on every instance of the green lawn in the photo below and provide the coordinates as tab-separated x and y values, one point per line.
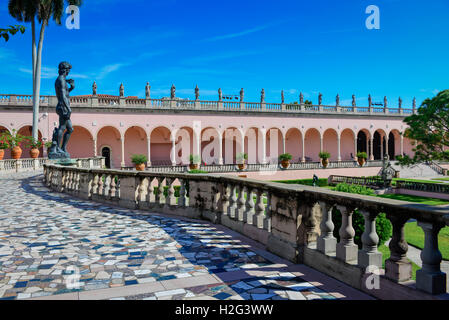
416	180
422	200
386	254
441	179
415	236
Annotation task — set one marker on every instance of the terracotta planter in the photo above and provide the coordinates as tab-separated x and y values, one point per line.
34	153
285	164
361	161
325	162
140	167
193	166
2	154
241	166
16	153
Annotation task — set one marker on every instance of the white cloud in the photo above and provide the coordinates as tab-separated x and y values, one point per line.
238	34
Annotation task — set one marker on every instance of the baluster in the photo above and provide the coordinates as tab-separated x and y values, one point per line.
326	241
113	188
267	220
151	197
346	248
249	205
259	217
225	198
369	255
95	184
100	184
160	198
241	204
107	186
142	190
397	267
182	193
171	199
232	209
430	278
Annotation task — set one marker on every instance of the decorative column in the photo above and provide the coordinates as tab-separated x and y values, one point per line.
283	143
122	141
397	267
355	148
430	278
369	255
381	147
402	145
346	248
386	145
371	143
220	148
173	151
339	147
263	133
95	148
303	159
149	150
326	242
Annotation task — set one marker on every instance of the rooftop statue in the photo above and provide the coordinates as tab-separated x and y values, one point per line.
173	91
282	97
301	98
220	95
385	102
370	101
337	100
242	94
63	110
320	99
122	90
400	102
197	93
262	96
147	90
94	89
353	100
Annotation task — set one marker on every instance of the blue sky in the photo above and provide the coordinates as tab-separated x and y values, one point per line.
309	46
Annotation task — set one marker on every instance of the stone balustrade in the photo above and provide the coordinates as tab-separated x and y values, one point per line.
292	221
181	104
23	165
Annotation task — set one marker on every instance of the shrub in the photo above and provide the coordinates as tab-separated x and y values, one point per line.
285	157
197	171
362	155
194	159
383	225
308	182
324	155
139	159
241	157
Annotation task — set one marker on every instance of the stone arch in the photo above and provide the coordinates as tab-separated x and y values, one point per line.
111	137
348	145
232	144
210	145
7	154
330	143
28	131
293	144
136	142
81	144
312	144
394	144
379	144
274	144
161	146
253	143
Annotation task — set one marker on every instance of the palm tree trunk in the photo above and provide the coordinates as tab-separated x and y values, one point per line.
37	80
33	47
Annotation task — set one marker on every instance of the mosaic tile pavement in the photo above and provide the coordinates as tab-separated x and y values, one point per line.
52	244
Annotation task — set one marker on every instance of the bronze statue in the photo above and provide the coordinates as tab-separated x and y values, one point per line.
242	94
262	96
94	89
147	90
173	92
122	90
353	100
197	93
63	110
301	98
320	99
282	97
220	95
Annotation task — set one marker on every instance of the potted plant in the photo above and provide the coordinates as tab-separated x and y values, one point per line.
34	146
324	156
194	162
241	159
361	158
3	145
14	141
139	160
285	160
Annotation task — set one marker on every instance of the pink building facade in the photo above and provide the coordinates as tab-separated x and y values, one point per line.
168	131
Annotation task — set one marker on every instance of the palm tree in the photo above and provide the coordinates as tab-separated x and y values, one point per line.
41	11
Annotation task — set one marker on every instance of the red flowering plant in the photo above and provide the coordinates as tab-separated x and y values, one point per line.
32	144
4	144
14	139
